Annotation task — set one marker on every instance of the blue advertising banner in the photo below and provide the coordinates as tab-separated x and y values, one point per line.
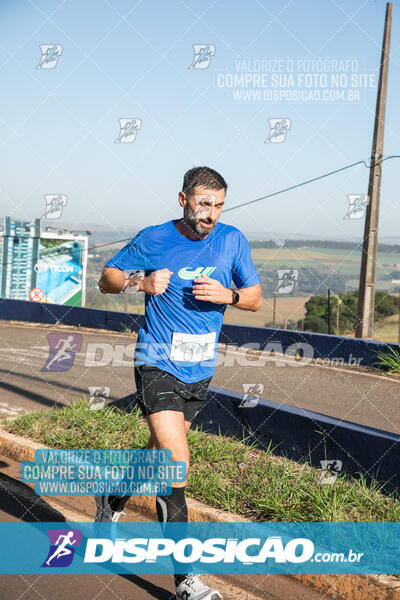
42	266
59	270
251	548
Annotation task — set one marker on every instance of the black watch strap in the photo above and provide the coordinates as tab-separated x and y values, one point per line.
235	297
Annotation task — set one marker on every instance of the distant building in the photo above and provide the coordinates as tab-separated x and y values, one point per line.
42	266
20	251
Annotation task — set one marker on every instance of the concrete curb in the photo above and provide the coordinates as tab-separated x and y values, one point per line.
340	587
23	449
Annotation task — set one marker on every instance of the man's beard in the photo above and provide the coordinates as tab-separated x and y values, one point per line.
193	221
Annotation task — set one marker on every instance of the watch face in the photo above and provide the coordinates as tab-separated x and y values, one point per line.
235	297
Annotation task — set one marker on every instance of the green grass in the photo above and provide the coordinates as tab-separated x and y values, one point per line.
390	360
225	473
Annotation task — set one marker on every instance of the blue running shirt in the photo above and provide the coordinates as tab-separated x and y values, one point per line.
180	334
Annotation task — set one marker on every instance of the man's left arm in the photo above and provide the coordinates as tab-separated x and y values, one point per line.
250	298
211	290
244	273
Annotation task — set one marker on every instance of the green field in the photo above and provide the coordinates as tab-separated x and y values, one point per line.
339	269
344	261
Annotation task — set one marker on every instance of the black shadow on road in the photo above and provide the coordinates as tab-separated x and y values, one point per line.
18	500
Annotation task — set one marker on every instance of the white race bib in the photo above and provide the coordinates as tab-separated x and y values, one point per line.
189	347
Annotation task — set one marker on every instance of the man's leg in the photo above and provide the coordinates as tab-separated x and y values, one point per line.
169	430
118	502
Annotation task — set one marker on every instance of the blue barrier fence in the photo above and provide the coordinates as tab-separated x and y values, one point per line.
304	435
332	347
38	312
324	346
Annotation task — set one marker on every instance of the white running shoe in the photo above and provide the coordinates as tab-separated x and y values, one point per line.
116	515
192	588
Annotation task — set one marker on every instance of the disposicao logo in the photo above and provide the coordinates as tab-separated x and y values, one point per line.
189	550
188	273
62	349
60	552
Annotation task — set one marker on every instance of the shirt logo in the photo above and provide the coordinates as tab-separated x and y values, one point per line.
188	273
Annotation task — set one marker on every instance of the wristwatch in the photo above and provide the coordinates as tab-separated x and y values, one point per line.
235	297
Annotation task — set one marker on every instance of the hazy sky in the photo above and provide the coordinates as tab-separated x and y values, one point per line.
125	59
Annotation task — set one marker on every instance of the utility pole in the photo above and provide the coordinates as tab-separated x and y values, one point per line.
274	311
329	310
398	324
339	302
364	327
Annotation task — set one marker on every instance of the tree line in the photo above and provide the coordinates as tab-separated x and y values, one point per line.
334	245
343	312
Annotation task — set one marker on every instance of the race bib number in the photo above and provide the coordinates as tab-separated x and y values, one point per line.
188	347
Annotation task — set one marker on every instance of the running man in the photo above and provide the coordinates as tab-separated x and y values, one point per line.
62	550
64	348
187	266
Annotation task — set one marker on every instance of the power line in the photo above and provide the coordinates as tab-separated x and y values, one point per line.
110	243
298	185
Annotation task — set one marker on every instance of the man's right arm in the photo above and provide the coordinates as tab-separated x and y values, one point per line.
112	281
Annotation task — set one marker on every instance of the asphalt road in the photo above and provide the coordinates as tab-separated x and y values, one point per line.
104	360
19	503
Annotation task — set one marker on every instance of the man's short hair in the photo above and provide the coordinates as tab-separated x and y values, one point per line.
202	176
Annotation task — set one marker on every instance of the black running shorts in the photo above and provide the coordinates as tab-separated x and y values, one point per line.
158	390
